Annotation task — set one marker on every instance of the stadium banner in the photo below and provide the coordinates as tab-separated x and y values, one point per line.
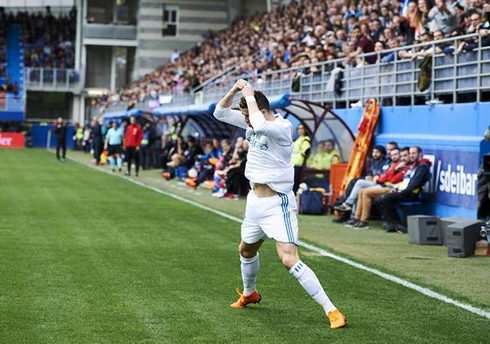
453	177
11	140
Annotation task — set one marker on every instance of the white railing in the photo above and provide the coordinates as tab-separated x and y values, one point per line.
51	79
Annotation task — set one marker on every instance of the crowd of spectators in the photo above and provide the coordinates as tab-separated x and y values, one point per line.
49	41
3	57
310	31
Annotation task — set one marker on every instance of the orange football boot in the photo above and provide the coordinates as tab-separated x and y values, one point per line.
243	300
336	318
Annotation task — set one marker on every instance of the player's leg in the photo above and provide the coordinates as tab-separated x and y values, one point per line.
288	253
252	238
250	265
119	160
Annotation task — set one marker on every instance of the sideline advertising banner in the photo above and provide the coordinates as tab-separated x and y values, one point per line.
11	140
453	177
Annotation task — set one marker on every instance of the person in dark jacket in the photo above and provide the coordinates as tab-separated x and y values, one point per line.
97	140
407	191
60	131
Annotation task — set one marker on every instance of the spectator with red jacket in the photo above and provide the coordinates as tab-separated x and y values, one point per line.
132	143
406	191
395	174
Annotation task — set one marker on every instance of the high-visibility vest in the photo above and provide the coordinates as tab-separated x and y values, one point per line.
301	146
323	160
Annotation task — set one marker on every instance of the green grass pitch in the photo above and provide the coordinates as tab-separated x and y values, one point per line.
89	258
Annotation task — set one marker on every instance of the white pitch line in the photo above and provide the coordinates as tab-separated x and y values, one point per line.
394	279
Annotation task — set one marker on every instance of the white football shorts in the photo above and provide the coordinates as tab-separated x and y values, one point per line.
271	217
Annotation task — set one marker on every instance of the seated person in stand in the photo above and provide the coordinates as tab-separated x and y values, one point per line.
394	175
406	191
235	172
380	165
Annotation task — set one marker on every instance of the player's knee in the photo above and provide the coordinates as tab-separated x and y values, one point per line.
288	260
246	252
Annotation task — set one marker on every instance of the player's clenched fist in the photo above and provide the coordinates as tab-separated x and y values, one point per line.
239	85
248	90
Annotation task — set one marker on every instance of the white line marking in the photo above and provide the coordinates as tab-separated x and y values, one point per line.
422	290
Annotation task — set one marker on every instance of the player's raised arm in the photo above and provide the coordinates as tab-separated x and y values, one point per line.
223	111
262	121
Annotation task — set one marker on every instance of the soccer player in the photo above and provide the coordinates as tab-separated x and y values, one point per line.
271	207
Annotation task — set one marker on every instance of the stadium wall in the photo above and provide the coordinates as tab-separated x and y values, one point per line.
195	18
451	136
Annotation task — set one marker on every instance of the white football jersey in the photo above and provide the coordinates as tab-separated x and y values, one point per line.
270	148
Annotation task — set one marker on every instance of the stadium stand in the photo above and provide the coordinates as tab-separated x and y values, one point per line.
308	32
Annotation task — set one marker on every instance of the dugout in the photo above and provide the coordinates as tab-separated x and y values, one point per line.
320	121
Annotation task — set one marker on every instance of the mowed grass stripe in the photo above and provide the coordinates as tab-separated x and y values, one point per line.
91	258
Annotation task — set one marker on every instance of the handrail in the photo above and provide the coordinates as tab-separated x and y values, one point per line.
52	77
254	58
387	51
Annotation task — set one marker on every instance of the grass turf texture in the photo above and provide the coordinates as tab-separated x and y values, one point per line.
91	258
428	266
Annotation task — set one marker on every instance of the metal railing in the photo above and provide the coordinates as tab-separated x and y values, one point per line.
46	79
391	83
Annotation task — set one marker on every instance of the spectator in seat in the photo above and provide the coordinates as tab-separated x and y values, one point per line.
389	147
419	21
322	160
192	152
380	163
205	167
476	26
394	175
235	172
442	17
164	152
178	153
364	45
219	188
406	191
379	166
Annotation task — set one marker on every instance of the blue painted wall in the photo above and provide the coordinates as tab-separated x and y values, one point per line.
40	136
451	136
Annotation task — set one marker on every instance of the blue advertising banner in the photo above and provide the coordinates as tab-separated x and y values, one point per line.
453	177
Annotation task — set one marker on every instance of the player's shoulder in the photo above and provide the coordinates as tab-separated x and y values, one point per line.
281	120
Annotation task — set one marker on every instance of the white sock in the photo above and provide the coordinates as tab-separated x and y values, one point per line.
311	284
250	269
